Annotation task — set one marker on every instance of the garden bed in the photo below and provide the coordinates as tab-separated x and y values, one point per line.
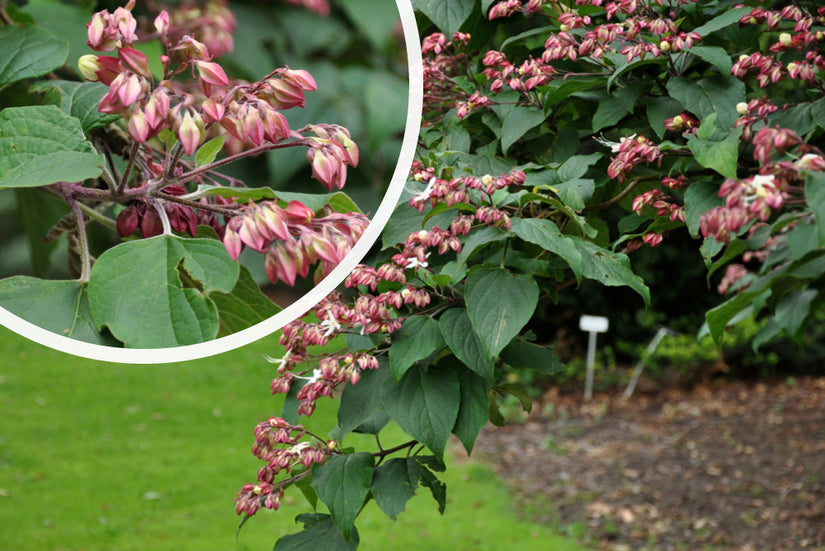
731	465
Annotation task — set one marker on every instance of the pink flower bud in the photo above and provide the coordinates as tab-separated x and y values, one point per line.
190	132
283	95
125	23
299	78
157	107
137	125
279	264
101	36
298	213
214	110
211	73
136	61
192	50
232	242
275	124
162	23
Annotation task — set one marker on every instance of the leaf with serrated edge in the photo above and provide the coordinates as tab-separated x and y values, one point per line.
464	342
40	145
61	307
319	534
499	305
418	337
342	484
425	405
136	290
28	52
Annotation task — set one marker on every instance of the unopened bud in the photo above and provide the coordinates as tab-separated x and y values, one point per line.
664	45
88	67
742	108
785	39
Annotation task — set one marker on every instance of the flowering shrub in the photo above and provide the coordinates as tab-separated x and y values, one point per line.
135	148
559	138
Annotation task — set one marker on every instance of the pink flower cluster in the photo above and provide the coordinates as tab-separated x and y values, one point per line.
756	197
510	7
293	239
250	113
279	444
321	7
211	23
798	39
631	152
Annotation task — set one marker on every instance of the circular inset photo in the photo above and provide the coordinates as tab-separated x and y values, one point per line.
180	179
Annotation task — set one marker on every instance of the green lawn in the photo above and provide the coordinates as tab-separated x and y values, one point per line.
99	456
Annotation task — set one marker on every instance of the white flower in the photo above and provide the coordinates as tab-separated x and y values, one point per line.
330	325
614	146
414	263
279	361
424	195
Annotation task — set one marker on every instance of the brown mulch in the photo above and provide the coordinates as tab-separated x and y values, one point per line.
730	465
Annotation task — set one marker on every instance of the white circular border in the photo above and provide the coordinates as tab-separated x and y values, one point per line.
306	302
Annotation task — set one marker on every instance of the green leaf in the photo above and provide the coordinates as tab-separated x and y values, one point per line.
418	337
28	52
815	196
526	355
38	213
77	99
339	201
477	240
246	305
40	145
794	309
608	113
319	534
499	305
472	413
609	268
709	95
577	166
67	21
447	15
61	307
718	317
425	405
343	483
208	151
154	293
717	154
362	401
547	235
659	109
517	123
385	98
727	18
570	87
517	391
716	56
465	343
305	485
394	483
700	197
437	488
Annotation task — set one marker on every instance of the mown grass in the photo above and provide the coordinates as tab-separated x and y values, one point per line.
99	456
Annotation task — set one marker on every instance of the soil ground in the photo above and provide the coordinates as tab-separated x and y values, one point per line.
731	465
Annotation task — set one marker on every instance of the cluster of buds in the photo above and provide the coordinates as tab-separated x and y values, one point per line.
330	152
443	59
753	112
456	190
464	108
278	443
753	198
143	214
681	123
630	152
321	7
210	22
800	38
368	314
664	205
506	8
292	238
